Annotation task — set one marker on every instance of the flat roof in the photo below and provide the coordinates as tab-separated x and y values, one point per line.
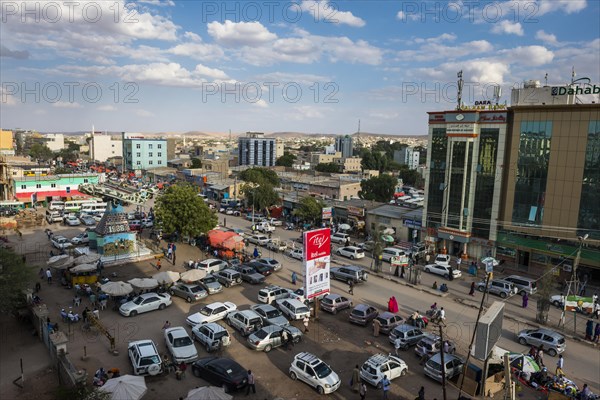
398	212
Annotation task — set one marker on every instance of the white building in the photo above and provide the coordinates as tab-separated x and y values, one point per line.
407	156
103	147
55	141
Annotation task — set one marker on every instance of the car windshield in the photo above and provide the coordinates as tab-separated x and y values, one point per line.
261	334
196	289
182	341
273	313
302	309
327	301
322	370
209	279
150	360
138	300
206	311
358	313
435	365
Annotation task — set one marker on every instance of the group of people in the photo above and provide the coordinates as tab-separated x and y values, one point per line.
102	375
591	333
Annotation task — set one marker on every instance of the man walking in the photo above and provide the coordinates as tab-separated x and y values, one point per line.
376	327
385	384
362	390
559	365
251	384
351	287
305	322
49	276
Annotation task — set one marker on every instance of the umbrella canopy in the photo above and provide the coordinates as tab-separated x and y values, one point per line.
116	288
492	260
87	259
166	277
65	263
387	238
83	268
234	243
218	238
208	393
523	363
55	259
193	275
344	227
126	387
388	231
144	283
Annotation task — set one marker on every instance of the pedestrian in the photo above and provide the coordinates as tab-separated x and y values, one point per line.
385	385
421	394
351	287
446	347
525	300
597	332
167	325
376	327
559	365
285	339
355	381
169	250
362	391
174	257
158	266
49	276
397	346
539	356
294	277
251	384
402	271
472	291
397	271
93	299
589	330
305	322
256	253
38	287
42	274
84	314
450	274
458	262
596	310
427	258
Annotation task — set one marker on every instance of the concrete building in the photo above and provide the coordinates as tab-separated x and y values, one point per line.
52	187
320	158
255	149
55	141
348	164
140	153
7	145
103	147
407	156
344	145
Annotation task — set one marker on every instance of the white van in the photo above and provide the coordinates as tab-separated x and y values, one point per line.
389	252
53	216
56	205
93	208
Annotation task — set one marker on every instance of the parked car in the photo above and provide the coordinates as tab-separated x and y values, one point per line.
270	315
389	321
362	314
212	265
244	321
268	262
349	273
72	220
453	366
258	239
334	302
264	227
554	343
60	242
88	220
228	277
221	372
293	309
211	313
144	303
135	225
144	358
379	365
296	253
498	287
211	284
212	336
270	336
276	244
389	252
147	223
524	285
270	293
408	335
558	300
274	221
98	217
442	270
351	252
82	238
249	274
367	246
188	291
180	345
432	344
340	238
312	370
442	259
262	269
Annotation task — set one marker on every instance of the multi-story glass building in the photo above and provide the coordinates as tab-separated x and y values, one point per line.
256	149
344	145
463	180
140	153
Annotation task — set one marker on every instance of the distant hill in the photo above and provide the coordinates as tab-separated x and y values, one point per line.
222	135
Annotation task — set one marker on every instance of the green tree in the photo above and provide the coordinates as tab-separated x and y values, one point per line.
40	152
196	163
73	147
379	188
411	177
262	196
545	289
260	175
286	160
62	170
179	209
310	210
67	155
374	160
327	167
15	275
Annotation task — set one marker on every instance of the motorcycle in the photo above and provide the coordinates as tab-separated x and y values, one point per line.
420	322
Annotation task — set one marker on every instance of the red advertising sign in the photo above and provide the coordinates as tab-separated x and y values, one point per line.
317	258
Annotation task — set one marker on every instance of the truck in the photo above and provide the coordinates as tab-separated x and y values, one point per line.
264	227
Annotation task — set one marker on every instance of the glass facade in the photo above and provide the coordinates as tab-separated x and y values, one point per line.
458	200
532	172
589	207
437	173
484	189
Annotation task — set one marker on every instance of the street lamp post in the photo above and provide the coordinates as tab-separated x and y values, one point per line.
254	187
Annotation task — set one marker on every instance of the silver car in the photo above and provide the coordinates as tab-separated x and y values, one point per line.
269	262
188	291
211	284
270	336
270	315
334	302
554	343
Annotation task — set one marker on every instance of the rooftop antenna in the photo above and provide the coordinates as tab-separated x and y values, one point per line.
497	94
573	75
230	135
546	79
92	130
460	89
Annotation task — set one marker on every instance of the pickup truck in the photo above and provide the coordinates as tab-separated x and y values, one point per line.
264	227
273	221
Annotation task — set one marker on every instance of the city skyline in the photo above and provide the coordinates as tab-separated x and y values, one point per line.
312	66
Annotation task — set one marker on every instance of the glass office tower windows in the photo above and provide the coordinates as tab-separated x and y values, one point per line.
460	179
486	175
532	172
589	207
437	172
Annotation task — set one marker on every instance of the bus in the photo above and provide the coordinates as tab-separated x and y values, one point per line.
14	205
93	208
75	205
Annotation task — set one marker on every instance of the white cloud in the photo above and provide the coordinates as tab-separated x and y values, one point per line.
160	3
450	37
306	112
384	115
197	51
107	107
194	37
214	73
323	10
528	55
547	38
508	27
66	104
237	34
261	103
433	50
6	98
567	6
402	16
143	113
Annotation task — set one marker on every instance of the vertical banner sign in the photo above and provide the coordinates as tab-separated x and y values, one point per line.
317	257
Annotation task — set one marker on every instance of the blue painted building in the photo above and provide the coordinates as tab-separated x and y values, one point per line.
140	153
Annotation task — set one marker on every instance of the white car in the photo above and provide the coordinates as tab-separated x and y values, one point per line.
276	245
180	345
72	221
351	252
294	309
211	313
378	365
98	217
274	222
144	303
443	270
296	253
339	238
442	259
82	238
60	242
313	371
147	223
212	265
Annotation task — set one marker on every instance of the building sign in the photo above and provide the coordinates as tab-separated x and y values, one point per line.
358	212
460	129
571	91
316	260
327	212
411	223
492	117
483	103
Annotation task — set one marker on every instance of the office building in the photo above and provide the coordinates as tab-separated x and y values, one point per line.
55	141
140	153
257	150
407	156
103	147
344	145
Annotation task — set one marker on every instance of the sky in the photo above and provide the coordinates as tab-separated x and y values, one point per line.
274	66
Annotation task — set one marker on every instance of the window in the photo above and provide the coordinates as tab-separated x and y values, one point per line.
85	180
159	154
23	186
159	146
38	186
138	163
150	154
138	146
589	207
159	162
437	173
486	172
138	154
150	162
53	185
149	145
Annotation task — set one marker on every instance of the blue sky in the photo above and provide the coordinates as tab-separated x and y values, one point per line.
307	66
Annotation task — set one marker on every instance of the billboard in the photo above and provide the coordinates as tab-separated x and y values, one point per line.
317	258
489	331
327	212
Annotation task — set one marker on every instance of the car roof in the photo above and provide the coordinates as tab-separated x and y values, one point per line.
265	307
405	328
386	314
178	331
378	359
145	347
548	332
437	357
308	358
144	295
248	313
362	306
332	296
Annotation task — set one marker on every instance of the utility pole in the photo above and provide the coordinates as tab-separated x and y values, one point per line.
443	361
